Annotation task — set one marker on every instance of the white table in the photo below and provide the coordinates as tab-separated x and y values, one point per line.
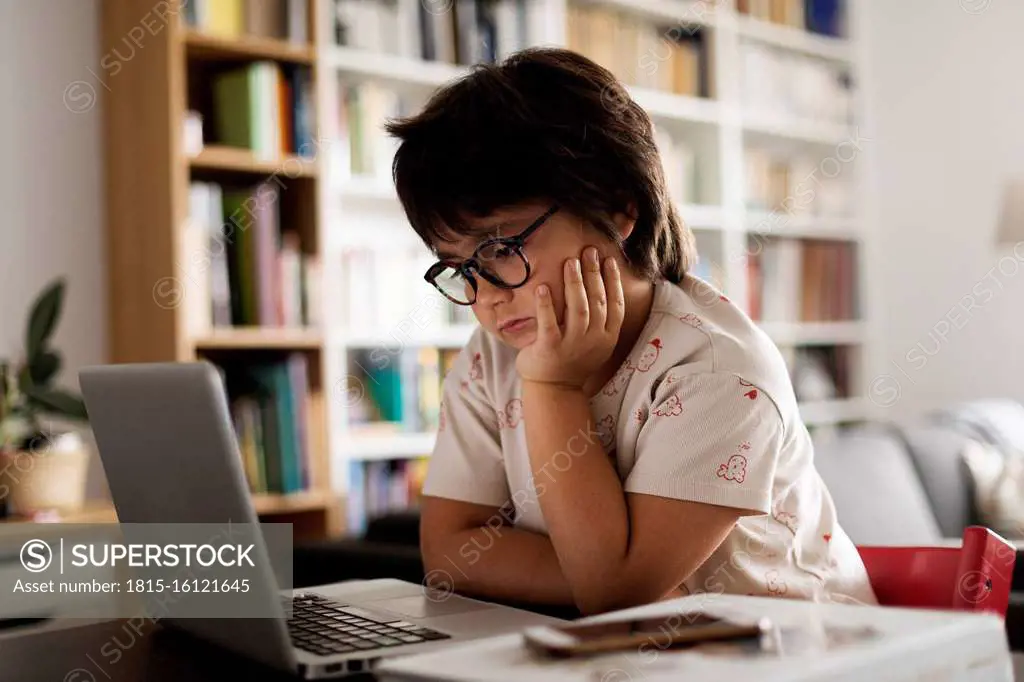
912	644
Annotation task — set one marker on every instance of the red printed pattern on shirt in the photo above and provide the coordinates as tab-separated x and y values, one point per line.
672	407
476	369
776	585
752	393
650	355
606	431
785	518
620	379
735	468
692	320
512	415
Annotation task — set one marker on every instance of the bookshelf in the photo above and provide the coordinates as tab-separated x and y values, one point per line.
173	238
747	101
736	153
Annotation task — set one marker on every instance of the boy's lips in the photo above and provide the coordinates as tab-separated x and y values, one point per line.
513	325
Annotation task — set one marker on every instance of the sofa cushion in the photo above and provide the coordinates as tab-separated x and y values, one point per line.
878	496
999	422
938	453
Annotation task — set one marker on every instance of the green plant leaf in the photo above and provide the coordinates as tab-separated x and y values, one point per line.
57	401
44	367
24	379
43	319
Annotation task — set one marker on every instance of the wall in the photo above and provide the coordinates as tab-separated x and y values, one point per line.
947	118
51	176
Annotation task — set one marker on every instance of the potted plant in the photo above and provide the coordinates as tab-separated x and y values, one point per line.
43	462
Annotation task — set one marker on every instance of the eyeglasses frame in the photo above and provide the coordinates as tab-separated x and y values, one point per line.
472	264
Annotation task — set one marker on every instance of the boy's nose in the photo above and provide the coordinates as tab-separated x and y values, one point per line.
488	295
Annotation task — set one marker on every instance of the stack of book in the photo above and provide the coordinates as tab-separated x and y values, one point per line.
381	487
781	83
671	58
385	289
825	17
680	164
802	280
280	19
799	185
241	267
821	372
265	107
398	388
710	271
462	32
272	415
362	149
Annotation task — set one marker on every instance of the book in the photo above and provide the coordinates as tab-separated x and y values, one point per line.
266	18
665	56
270	403
377	488
265	107
802	280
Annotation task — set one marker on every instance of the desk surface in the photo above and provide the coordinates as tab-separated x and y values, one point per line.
907	644
111	651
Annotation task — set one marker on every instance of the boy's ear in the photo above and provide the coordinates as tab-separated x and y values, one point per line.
626	221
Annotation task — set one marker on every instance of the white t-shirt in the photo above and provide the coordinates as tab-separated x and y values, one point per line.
703	410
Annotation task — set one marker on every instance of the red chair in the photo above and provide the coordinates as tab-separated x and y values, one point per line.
973	577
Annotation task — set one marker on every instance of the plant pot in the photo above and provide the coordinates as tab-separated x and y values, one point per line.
50	478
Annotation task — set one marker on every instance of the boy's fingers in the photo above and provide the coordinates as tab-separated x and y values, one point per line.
577	312
616	298
597	298
547	321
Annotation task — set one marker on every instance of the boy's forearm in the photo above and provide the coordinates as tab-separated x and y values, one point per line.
583	503
502	563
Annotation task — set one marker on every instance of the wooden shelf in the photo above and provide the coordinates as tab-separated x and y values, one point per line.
268	504
236	160
674	12
792	129
260	338
779	224
392	68
814	333
794	39
828	412
366	444
92	512
218	48
702	216
441	336
668	106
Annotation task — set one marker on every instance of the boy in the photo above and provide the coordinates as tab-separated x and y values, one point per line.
616	432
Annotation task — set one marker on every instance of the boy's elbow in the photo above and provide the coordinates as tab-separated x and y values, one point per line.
592	601
602	598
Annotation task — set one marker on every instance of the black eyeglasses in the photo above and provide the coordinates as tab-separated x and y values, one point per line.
499	260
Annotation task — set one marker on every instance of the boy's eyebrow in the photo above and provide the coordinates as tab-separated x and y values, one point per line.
446	255
484	232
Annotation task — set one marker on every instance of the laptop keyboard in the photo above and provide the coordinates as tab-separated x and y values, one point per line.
323	626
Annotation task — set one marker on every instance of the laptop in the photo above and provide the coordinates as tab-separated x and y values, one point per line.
170	453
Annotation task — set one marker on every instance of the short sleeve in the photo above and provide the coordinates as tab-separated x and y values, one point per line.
467	463
709	437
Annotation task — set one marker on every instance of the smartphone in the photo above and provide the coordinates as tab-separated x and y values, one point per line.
674	631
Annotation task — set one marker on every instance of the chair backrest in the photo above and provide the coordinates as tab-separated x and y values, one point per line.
973	577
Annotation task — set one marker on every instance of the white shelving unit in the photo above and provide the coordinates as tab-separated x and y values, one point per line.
719	128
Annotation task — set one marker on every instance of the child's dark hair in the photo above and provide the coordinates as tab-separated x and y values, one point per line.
546	124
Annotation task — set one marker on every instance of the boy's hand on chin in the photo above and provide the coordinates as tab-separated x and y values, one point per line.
594	309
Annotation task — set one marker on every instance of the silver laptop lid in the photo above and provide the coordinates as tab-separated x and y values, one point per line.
170	454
